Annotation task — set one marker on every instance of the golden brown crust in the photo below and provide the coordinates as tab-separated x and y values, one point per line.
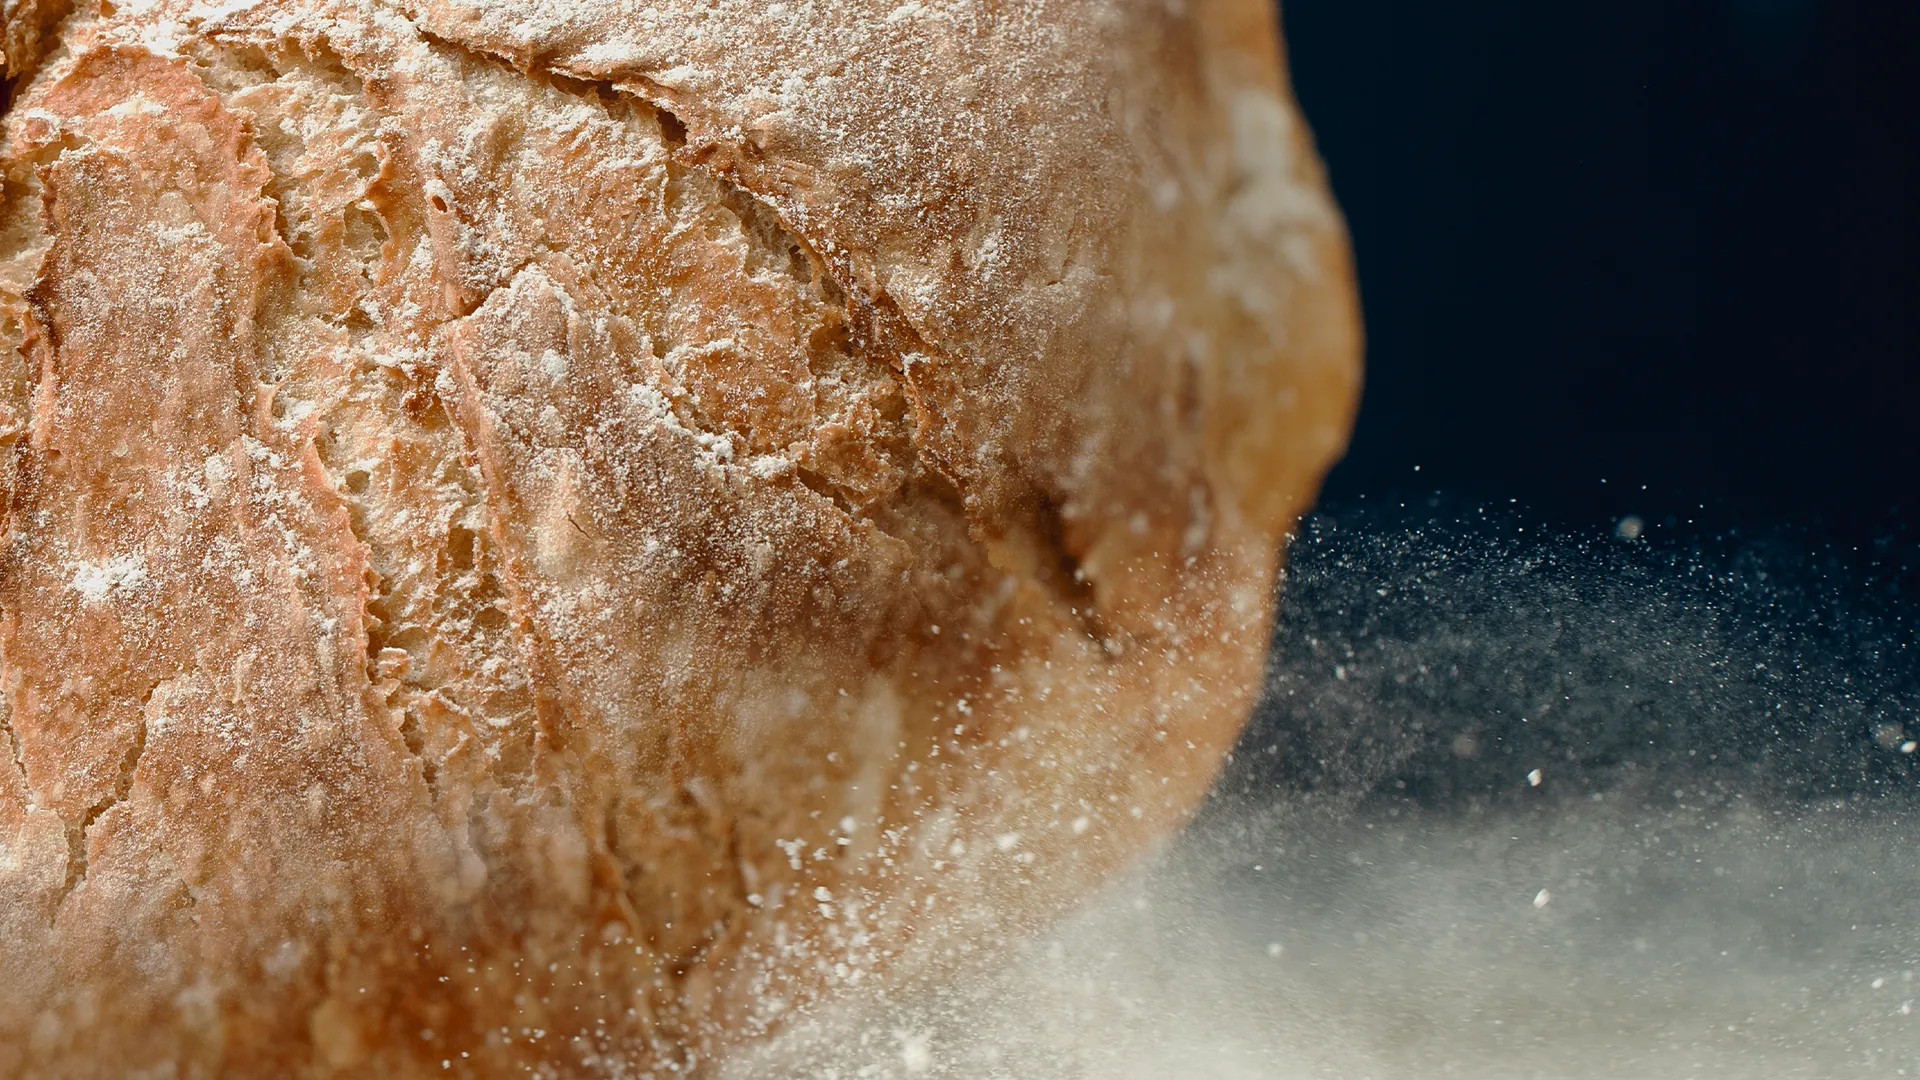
546	538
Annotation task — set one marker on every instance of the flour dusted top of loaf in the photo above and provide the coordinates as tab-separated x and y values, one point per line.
1001	172
1010	178
1013	180
940	151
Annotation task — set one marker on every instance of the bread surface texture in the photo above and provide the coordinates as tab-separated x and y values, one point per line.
546	538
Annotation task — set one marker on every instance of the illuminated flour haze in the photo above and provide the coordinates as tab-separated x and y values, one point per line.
1515	807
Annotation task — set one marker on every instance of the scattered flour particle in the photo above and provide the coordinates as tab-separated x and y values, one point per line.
1081	824
95	582
1274	949
173	236
610	54
916	1051
1007	841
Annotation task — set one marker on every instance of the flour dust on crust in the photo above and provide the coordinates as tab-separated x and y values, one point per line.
548	541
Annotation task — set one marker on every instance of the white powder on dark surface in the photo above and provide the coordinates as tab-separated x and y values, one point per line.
1736	901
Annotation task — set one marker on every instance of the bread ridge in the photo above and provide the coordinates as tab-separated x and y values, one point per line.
590	720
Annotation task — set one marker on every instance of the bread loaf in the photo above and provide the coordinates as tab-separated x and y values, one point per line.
541	538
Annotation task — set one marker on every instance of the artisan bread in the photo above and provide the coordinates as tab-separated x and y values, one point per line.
542	538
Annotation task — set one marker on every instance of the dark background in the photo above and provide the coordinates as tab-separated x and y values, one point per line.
1667	245
1651	242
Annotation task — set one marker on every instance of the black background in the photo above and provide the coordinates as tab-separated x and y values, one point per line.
1667	245
1651	242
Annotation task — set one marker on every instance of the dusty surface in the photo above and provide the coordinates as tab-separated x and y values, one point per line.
1678	845
1276	946
539	539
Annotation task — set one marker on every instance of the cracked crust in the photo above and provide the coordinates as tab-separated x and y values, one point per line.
540	540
